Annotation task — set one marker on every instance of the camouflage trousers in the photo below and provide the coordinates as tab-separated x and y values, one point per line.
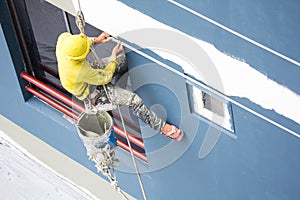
107	98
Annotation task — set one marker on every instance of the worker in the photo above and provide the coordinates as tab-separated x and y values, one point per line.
93	87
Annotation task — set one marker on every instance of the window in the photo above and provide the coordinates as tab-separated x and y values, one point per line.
37	33
210	107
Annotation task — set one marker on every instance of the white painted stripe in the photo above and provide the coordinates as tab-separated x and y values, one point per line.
236	33
136	20
212	90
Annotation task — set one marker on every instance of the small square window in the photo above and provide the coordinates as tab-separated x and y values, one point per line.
209	106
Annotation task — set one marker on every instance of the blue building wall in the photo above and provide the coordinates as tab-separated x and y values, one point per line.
261	163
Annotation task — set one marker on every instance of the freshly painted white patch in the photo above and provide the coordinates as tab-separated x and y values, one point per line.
114	17
239	79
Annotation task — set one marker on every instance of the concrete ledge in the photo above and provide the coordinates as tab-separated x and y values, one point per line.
65	167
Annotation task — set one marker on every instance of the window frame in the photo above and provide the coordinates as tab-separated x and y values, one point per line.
25	55
224	121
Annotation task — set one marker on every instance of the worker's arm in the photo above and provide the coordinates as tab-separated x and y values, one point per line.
101	76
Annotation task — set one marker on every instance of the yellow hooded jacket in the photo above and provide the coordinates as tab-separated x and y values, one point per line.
76	73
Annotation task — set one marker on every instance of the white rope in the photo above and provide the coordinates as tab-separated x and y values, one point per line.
113	178
79	6
132	156
130	148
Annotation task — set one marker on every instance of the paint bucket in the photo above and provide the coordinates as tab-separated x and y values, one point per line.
95	128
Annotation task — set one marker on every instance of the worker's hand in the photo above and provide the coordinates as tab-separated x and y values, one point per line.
102	38
117	49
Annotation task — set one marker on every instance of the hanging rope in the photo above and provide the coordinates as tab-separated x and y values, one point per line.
132	156
80	22
126	133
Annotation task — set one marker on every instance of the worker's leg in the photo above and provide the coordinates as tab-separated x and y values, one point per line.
120	96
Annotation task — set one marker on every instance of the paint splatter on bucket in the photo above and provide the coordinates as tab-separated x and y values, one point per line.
95	128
